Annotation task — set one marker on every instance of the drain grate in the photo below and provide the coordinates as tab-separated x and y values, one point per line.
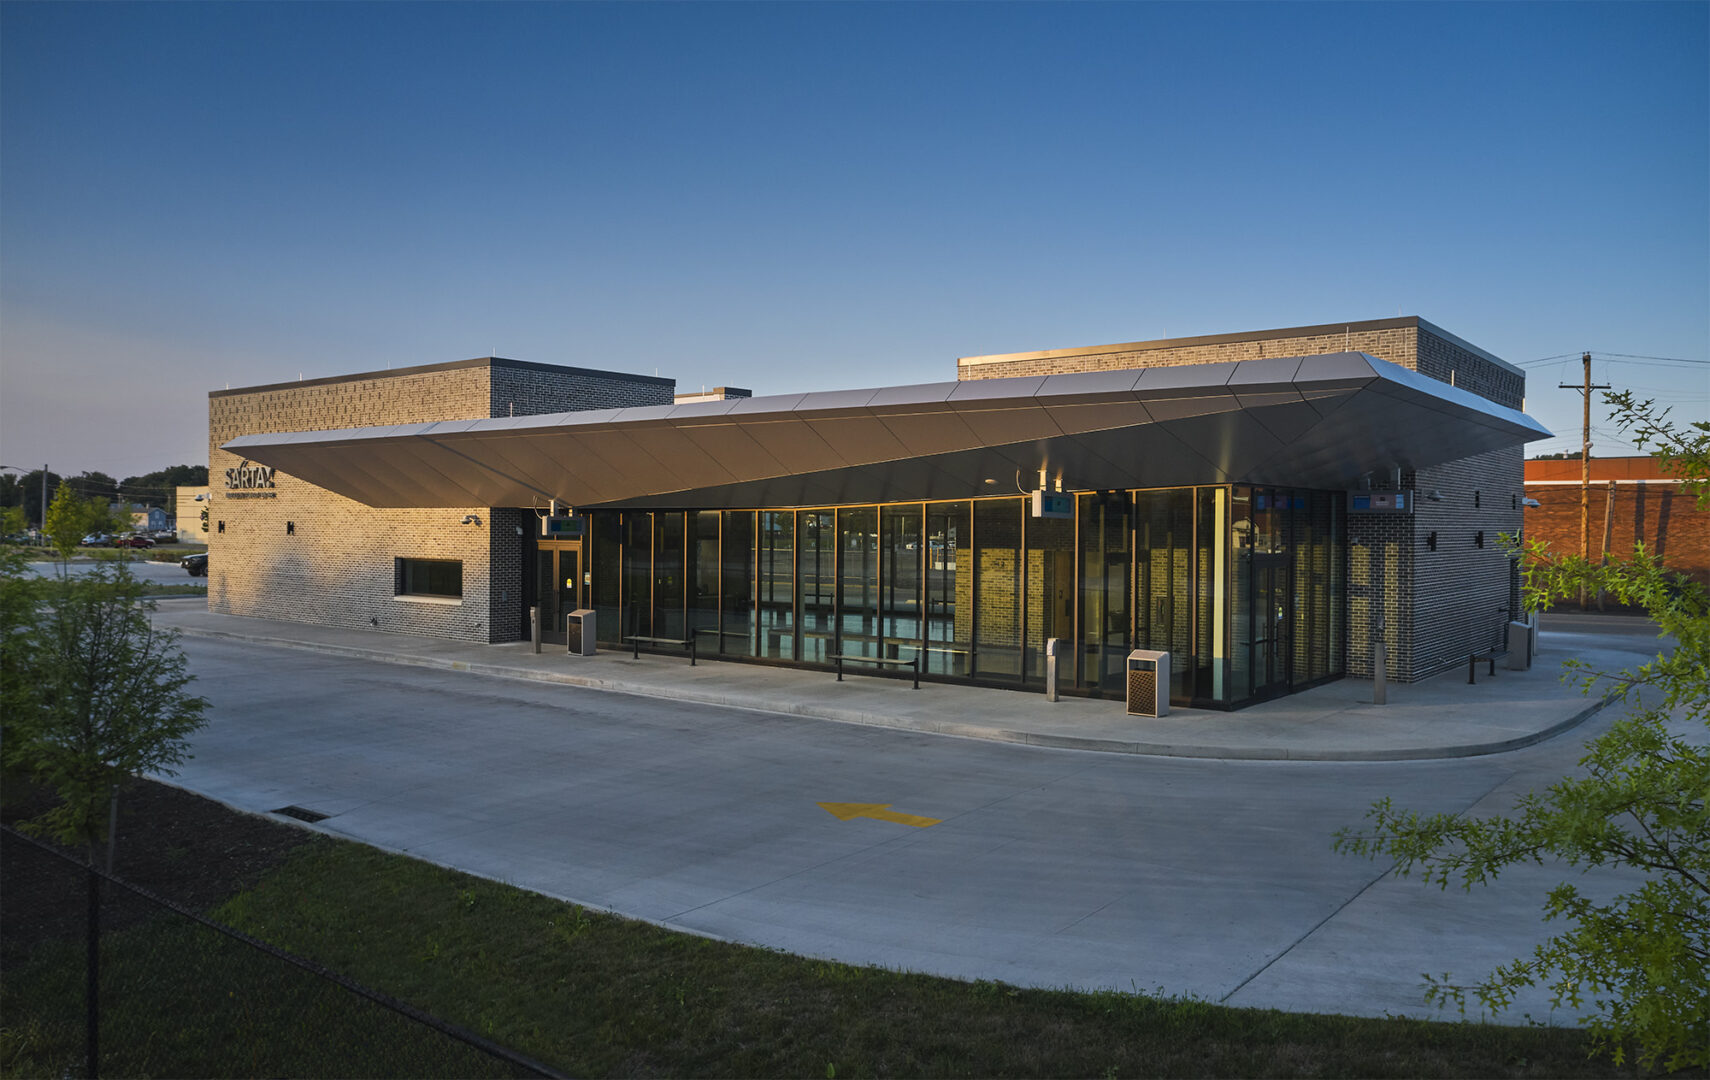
301	813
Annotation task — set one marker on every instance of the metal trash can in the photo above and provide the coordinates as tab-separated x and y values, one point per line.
1519	646
1148	683
579	632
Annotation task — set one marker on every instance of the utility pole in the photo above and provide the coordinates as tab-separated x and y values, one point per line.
1584	466
1608	534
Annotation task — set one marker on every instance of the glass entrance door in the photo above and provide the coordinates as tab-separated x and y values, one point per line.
558	588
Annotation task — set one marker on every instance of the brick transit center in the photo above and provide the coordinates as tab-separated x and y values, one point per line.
1257	504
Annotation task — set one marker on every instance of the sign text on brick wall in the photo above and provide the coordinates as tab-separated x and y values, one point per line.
250	482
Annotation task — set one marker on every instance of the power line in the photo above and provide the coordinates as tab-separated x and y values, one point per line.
1667	359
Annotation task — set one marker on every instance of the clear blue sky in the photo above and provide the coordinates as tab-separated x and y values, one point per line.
794	197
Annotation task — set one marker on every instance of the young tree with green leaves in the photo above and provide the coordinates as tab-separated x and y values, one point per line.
100	696
1641	801
67	522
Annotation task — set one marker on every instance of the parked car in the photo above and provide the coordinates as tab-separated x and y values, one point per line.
95	540
133	541
197	565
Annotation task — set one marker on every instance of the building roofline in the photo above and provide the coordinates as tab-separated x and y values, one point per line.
1401	322
453	365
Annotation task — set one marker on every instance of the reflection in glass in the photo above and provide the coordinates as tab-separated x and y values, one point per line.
1105	563
1050	596
605	533
737	599
947	598
816	582
703	579
668	575
776	633
858	597
901	555
637	573
997	589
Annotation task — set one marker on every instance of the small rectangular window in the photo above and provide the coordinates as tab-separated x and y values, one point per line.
430	577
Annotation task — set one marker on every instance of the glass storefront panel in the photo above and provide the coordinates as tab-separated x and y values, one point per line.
998	589
1244	587
858	594
605	535
775	632
668	575
702	579
1163	584
816	582
901	555
1105	530
637	573
736	631
1050	596
948	593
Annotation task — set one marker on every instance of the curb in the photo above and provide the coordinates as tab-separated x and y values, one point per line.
953	729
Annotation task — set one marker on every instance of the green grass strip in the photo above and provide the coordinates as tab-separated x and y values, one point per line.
597	995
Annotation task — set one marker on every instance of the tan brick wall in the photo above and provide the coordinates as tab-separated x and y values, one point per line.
1396	345
336	564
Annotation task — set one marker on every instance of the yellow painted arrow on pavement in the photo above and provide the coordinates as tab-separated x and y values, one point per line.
843	811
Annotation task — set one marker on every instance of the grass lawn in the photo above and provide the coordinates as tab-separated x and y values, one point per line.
597	995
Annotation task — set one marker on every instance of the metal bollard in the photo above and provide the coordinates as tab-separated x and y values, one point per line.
1051	647
1379	674
534	626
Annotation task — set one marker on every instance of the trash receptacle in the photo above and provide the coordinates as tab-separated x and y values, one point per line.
1519	646
1148	683
579	632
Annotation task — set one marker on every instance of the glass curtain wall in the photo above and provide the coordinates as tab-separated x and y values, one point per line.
901	555
816	583
947	600
775	574
1049	592
736	602
1244	587
1106	560
668	575
702	580
1164	592
605	563
997	608
858	582
637	531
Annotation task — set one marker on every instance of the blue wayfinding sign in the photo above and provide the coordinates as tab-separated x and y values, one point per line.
1053	504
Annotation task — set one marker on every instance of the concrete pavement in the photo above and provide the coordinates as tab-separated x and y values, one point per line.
1440	717
1047	867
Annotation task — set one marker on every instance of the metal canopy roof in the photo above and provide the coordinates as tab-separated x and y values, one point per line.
1314	421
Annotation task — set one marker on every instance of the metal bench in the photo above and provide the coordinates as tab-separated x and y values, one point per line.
912	662
1489	656
681	643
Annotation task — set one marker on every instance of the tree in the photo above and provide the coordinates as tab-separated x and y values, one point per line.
67	521
101	696
1640	801
13	520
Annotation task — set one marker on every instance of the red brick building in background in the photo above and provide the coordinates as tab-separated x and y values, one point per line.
1648	505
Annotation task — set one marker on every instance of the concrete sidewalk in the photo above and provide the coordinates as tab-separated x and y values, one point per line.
1438	718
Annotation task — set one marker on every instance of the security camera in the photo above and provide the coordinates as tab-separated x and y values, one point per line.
471	519
1529	501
